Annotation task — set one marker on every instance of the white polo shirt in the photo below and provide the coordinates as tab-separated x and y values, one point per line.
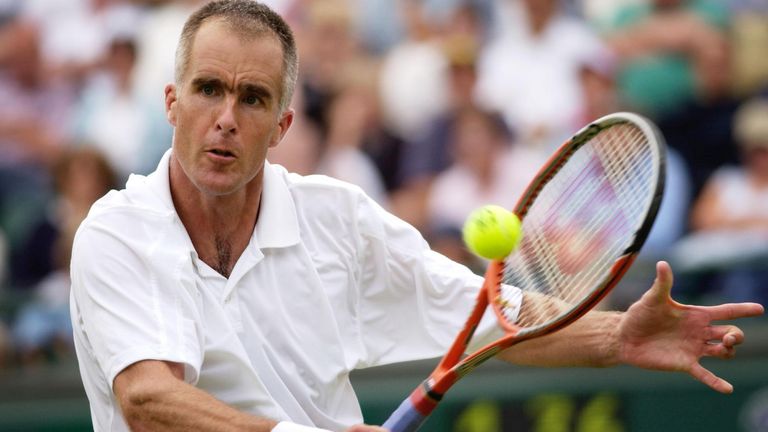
329	282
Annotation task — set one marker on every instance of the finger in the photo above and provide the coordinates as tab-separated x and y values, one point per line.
728	334
731	311
720	351
662	286
713	381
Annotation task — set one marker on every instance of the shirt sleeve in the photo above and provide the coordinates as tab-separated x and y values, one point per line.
412	300
132	299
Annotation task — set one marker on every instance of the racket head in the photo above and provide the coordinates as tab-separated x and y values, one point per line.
585	216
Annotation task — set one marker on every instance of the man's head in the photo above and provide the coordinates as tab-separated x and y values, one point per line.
229	105
250	19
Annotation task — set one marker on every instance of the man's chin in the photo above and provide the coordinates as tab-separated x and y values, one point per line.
218	187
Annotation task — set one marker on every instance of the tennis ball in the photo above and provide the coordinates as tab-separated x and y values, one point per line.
492	232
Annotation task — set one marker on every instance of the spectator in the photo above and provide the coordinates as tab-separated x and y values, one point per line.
81	177
34	106
75	34
353	122
487	169
672	51
412	85
530	71
597	84
730	218
675	68
737	197
597	77
326	43
110	117
35	110
427	154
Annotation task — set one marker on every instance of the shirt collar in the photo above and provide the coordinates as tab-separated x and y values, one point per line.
159	181
277	225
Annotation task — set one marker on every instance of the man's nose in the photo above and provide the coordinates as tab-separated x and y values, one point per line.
226	121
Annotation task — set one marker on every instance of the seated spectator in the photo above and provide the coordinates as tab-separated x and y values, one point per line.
426	154
354	122
412	82
42	325
35	110
110	117
737	197
326	44
529	72
487	169
672	52
598	84
730	218
34	105
675	67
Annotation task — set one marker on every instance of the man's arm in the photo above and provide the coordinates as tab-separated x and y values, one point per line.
654	333
154	397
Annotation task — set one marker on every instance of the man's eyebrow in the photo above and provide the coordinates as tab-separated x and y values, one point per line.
200	81
259	90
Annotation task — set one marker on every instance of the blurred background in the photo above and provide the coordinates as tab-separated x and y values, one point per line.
434	107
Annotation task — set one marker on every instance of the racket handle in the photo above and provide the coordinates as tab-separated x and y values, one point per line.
405	418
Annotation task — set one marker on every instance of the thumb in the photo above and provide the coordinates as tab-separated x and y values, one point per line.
662	286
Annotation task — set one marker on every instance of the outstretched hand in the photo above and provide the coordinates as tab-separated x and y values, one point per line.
658	333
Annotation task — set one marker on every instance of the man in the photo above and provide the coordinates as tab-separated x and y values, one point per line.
222	293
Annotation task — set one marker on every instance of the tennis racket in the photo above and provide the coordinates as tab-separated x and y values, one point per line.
584	218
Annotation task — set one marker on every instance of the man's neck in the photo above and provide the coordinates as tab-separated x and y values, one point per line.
220	227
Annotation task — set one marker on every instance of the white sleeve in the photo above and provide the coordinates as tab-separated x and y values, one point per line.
131	298
412	300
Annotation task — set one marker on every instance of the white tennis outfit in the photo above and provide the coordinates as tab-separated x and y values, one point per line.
329	282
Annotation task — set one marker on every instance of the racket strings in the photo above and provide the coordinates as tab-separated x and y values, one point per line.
627	211
580	223
612	221
587	278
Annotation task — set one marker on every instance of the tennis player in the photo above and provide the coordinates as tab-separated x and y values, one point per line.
223	293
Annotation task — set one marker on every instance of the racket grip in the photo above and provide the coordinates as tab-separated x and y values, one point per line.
405	418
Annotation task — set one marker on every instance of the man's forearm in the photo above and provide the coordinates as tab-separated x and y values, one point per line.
190	409
161	401
590	341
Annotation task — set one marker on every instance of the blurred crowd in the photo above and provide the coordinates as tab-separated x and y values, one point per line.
433	107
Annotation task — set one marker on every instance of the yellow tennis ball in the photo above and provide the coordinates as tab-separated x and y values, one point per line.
492	232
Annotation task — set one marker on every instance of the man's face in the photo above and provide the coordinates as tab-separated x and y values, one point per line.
226	109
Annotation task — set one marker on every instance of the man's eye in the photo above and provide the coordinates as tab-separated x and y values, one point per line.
208	90
250	100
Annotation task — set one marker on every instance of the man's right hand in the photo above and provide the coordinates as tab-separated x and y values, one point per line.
366	428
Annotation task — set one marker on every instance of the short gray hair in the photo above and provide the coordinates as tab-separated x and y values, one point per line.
250	18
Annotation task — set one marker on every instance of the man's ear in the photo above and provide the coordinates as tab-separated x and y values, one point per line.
286	119
170	104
